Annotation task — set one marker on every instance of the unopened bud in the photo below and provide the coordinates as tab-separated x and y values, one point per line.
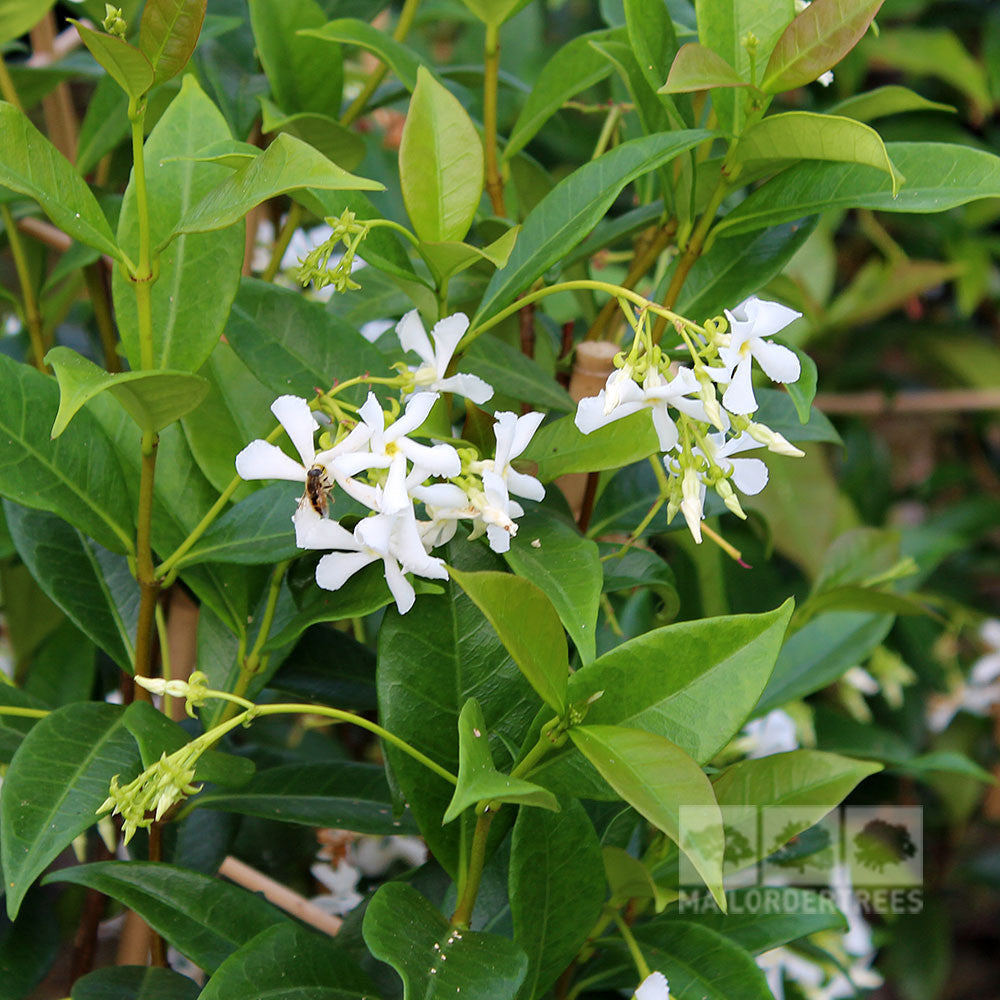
729	498
773	440
114	22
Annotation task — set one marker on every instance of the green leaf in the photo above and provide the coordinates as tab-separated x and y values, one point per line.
77	477
818	38
169	32
628	878
938	176
294	345
567	567
58	778
448	259
528	626
94	587
286	165
802	135
31	165
495	12
135	982
640	568
125	64
152	399
13	728
572	209
203	917
514	374
18	16
778	411
698	68
338	794
343	146
658	779
556	890
198	275
401	59
652	38
432	958
305	74
292	963
478	778
571	69
803	390
440	163
884	101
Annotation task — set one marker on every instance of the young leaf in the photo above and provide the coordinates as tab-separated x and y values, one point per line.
135	982
169	32
152	399
440	163
556	890
58	778
126	65
818	38
884	101
659	780
495	12
628	878
203	917
478	778
527	625
31	165
343	146
432	958
448	259
802	135
698	68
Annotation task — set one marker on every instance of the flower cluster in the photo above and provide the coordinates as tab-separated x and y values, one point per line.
697	434
415	493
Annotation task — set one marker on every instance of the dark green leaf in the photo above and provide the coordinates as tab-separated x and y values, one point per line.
802	391
135	982
169	32
125	64
511	373
778	411
652	37
343	146
401	59
13	728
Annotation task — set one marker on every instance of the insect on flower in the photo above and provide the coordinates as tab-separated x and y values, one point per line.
318	487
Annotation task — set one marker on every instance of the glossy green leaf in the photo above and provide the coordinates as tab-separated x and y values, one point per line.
572	209
433	960
628	878
305	74
658	779
134	982
94	587
556	890
294	345
198	275
125	64
204	918
290	962
528	626
77	477
696	67
448	259
803	390
818	38
168	33
640	568
31	165
571	69
884	101
343	146
286	165
778	411
553	555
802	135
401	59
440	163
652	37
938	176
514	374
478	778
18	16
13	728
58	778
152	399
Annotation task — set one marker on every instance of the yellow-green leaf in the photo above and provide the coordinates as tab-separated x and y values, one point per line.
698	68
125	64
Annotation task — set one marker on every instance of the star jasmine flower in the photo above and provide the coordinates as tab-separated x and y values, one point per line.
660	394
263	460
825	79
514	434
620	397
750	323
445	504
775	732
431	375
495	512
748	474
693	501
653	987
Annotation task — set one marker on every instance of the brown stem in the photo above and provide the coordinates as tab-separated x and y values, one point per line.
526	323
494	182
157	946
149	585
85	940
589	496
100	300
60	116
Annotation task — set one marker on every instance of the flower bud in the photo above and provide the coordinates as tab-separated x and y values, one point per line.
773	440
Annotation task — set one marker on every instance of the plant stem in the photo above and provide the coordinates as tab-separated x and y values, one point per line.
98	291
491	79
474	874
533	756
402	29
25	713
32	317
149	585
626	932
7	89
165	670
607	131
291	223
157	948
144	272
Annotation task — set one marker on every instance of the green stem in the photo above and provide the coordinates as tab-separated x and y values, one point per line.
7	89
607	130
32	316
533	756
144	271
474	873
149	585
292	221
491	80
27	713
626	932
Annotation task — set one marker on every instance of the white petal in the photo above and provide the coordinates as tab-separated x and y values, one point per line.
315	532
263	460
498	538
767	318
653	987
445	496
354	441
749	475
693	408
375	532
523	485
739	397
470	386
295	416
446	334
371	413
779	363
402	589
413	337
590	413
524	431
350	465
666	429
418	408
504	430
436	460
986	669
335	569
394	495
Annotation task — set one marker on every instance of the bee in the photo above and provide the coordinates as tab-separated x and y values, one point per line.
318	487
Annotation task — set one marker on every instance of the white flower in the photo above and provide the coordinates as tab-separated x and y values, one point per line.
778	963
430	376
341	882
825	79
775	732
620	397
750	323
653	987
495	512
445	504
263	460
661	394
748	474
987	668
693	502
376	855
514	434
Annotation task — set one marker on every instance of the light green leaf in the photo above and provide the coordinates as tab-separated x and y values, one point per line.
169	32
403	929
152	399
802	135
18	16
134	982
652	37
553	555
449	259
663	783
495	12
125	64
31	165
698	68
628	878
527	625
343	146
818	38
478	777
884	101
286	165
401	59
58	778
440	163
